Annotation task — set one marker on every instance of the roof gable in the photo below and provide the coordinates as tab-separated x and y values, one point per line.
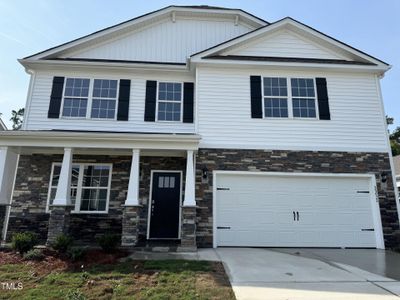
172	12
284	43
164	41
280	38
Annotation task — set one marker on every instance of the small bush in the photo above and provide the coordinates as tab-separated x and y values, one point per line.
109	242
77	253
34	254
24	241
75	295
62	243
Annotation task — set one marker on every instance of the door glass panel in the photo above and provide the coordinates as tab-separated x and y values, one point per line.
172	182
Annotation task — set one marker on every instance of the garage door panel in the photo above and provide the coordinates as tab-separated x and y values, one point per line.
258	210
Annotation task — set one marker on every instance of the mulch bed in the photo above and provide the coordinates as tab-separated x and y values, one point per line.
55	261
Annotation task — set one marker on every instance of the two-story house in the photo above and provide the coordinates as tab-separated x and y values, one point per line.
205	126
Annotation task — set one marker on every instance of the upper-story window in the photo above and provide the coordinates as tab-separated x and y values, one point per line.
294	98
76	95
104	98
169	101
99	95
275	97
303	98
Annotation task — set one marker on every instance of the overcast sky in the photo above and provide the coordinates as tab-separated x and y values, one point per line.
27	27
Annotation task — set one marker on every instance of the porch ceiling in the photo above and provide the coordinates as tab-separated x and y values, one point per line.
26	142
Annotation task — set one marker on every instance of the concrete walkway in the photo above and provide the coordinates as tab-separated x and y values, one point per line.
303	274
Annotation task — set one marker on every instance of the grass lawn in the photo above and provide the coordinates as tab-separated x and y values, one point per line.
54	278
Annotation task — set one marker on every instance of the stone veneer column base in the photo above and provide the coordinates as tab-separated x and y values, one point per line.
130	226
188	230
58	222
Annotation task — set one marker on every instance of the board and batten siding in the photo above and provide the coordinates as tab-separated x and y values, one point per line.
166	41
224	116
284	44
37	119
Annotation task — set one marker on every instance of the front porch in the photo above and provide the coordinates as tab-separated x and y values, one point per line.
89	184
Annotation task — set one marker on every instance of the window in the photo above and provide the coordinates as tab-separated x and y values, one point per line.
76	94
275	97
169	101
90	186
299	103
303	98
166	182
54	182
104	99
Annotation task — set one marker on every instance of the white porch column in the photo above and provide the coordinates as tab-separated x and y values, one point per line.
8	167
132	198
63	193
190	181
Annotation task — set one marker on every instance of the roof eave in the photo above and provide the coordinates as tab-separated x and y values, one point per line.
32	64
378	69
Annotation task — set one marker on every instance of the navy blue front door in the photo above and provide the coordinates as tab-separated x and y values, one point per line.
165	205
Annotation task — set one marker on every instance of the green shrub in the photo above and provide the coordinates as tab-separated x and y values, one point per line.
77	253
75	295
34	254
24	241
62	243
109	242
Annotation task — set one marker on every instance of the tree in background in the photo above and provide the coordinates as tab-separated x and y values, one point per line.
17	117
394	138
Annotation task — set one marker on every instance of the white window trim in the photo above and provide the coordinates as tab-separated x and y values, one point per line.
315	100
289	98
79	188
273	97
90	99
158	100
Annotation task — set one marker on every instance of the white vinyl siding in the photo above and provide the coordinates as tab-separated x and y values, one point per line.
37	114
225	121
166	41
284	44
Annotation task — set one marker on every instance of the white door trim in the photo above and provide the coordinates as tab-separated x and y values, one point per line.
380	244
150	199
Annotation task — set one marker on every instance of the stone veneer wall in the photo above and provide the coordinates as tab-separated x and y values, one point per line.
28	212
293	161
31	187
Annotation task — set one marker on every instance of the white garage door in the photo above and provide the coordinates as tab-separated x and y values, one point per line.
295	211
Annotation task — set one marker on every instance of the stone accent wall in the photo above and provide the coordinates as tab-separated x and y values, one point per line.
28	207
293	161
130	228
28	210
188	230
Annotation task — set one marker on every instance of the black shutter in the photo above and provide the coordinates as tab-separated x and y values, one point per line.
150	104
55	98
123	99
323	102
255	96
188	91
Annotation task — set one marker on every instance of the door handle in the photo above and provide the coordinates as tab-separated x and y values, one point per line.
297	215
294	216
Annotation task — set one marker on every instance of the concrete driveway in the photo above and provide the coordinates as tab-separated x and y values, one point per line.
310	274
